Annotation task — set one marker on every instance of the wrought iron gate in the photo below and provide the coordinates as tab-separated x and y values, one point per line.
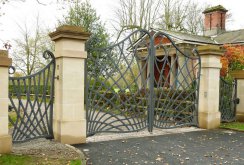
227	100
144	81
31	103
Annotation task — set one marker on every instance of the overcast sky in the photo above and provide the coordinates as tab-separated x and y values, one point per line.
19	12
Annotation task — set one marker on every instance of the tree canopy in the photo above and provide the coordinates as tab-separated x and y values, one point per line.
233	59
82	14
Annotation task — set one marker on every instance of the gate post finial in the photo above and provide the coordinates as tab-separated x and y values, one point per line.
208	109
69	110
5	138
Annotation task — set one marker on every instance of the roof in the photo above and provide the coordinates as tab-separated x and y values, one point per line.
228	37
215	8
187	37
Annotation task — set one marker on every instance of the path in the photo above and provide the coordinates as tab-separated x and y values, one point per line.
198	147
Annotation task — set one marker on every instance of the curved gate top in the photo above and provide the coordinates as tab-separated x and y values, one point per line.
31	103
144	81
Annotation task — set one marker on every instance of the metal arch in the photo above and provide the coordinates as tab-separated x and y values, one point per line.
31	103
227	100
176	88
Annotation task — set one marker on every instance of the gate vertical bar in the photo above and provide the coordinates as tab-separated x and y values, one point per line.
235	96
50	126
5	138
86	95
151	86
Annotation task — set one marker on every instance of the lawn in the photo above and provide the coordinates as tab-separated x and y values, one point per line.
239	126
30	160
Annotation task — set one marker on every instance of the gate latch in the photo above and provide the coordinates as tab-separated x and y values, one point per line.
237	101
57	77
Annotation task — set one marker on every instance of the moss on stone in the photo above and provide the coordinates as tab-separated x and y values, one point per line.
215	8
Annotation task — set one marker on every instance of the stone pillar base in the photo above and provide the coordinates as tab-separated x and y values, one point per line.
5	144
209	120
70	132
240	117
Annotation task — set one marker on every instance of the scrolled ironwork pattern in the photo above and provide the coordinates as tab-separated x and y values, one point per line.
11	70
227	97
31	103
176	84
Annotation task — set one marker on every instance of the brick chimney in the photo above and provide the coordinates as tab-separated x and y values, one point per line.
214	22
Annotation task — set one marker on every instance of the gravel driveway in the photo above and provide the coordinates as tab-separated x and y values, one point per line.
47	148
203	147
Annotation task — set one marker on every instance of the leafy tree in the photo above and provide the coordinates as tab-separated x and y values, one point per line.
82	14
233	59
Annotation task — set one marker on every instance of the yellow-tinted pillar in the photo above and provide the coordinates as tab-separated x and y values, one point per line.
5	138
69	110
208	109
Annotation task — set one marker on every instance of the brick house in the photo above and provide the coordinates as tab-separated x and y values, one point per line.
214	34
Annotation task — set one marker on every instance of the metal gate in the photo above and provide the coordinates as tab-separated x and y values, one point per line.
144	81
227	100
31	103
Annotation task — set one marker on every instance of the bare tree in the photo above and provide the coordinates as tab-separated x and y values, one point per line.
182	15
194	20
27	50
176	15
134	14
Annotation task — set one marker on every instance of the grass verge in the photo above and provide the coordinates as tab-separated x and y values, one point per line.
238	126
10	159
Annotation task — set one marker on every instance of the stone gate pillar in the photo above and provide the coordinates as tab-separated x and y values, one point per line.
208	109
239	76
69	110
5	138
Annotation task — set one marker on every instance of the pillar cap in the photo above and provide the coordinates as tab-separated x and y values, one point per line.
210	50
237	74
69	32
4	60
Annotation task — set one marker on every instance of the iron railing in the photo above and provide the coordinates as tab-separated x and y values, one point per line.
31	103
227	100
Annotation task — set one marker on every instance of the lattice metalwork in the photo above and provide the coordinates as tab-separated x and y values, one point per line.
141	82
31	103
117	95
227	100
176	84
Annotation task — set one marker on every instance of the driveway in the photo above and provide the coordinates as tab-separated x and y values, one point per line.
198	147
